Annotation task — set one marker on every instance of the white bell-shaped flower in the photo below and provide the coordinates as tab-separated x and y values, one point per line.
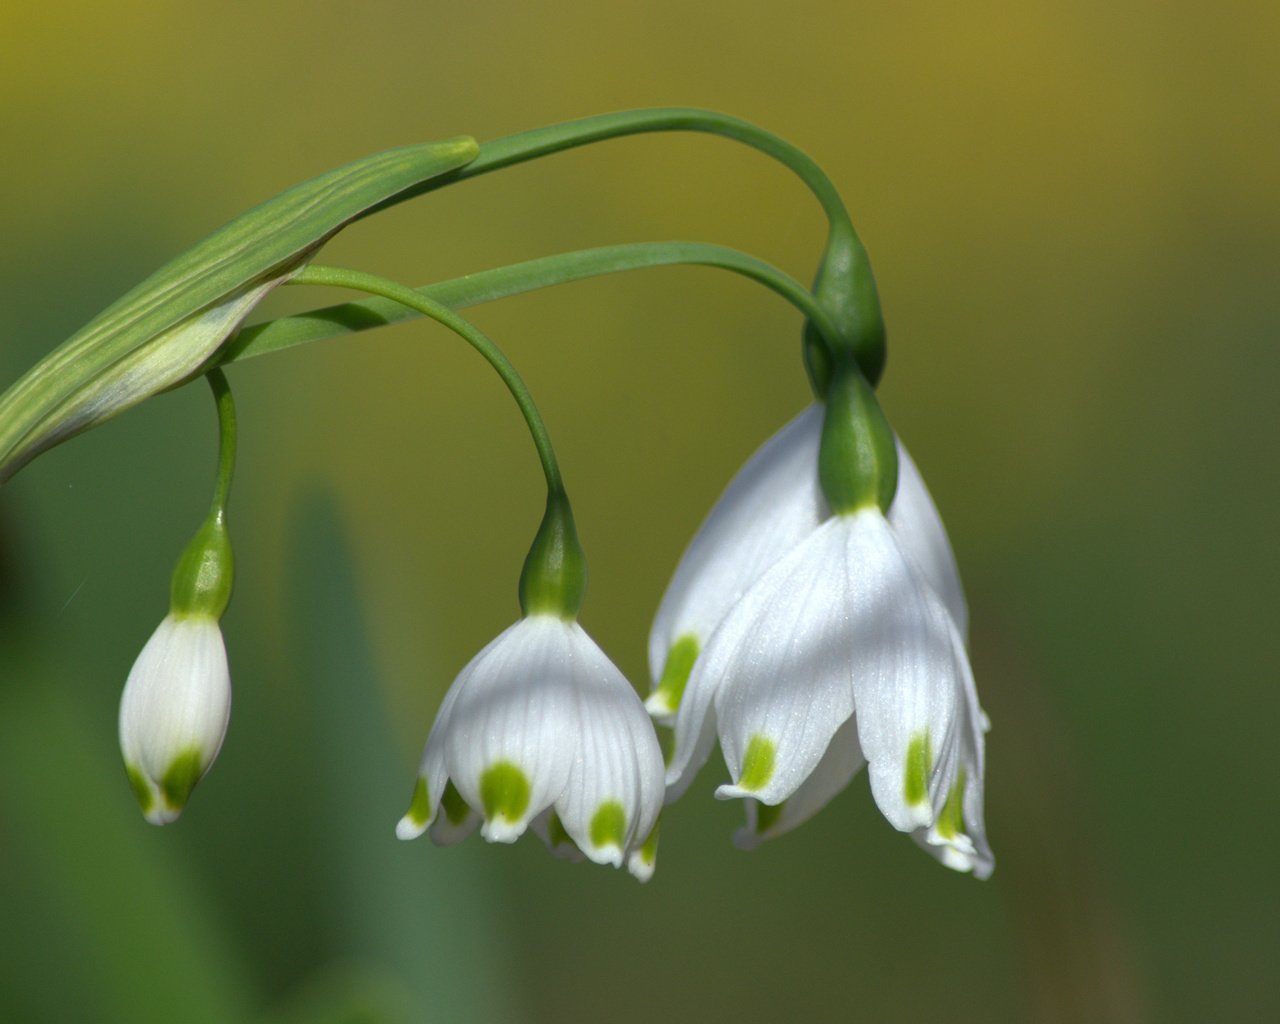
173	713
813	644
772	504
541	728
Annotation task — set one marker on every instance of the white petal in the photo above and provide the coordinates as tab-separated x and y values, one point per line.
781	666
769	507
923	538
839	764
905	675
615	787
644	858
964	846
514	713
433	777
695	733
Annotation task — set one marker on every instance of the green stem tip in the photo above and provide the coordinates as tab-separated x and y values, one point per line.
203	578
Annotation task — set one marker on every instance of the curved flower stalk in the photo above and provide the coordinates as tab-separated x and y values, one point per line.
542	729
813	644
174	713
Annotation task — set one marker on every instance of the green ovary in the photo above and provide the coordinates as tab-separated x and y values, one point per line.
504	792
609	825
915	786
757	763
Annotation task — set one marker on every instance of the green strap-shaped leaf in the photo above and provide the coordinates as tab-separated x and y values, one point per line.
128	352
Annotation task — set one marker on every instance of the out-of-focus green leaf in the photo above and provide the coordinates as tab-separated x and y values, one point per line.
408	920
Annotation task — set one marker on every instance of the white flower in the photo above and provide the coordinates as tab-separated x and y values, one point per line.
773	503
541	728
814	644
173	713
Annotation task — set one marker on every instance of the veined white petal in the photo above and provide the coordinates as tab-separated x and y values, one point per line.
695	733
615	787
644	857
770	506
510	735
958	837
433	779
905	684
839	764
781	666
174	712
923	538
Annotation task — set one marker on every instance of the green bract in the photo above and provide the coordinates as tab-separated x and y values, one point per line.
166	329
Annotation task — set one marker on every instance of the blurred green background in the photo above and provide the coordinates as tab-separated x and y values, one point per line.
1072	209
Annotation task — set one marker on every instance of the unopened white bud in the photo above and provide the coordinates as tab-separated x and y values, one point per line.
173	713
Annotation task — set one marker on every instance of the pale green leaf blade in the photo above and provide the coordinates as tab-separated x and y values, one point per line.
56	398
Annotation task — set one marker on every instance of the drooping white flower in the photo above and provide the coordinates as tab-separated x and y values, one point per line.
772	504
542	729
768	508
812	644
173	713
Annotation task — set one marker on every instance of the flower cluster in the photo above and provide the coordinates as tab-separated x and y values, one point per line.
815	625
811	642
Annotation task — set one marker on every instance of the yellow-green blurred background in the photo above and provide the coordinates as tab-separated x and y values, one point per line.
1072	210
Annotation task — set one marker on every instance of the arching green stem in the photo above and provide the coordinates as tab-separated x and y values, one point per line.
205	574
226	439
844	283
488	285
556	138
372	284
